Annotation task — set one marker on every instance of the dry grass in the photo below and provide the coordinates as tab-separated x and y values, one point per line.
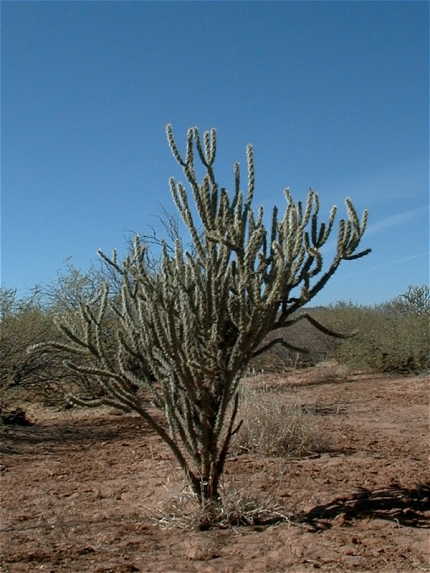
327	372
275	427
235	508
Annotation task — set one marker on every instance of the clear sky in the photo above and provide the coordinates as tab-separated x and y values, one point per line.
333	95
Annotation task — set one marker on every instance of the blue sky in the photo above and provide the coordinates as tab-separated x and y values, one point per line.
332	95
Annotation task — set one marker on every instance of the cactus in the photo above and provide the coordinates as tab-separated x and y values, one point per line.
194	324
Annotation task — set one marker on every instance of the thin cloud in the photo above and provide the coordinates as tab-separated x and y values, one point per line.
398	261
383	224
409	258
393	220
389	263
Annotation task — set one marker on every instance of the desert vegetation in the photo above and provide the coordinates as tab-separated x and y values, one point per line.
329	470
193	325
196	320
389	339
393	337
214	346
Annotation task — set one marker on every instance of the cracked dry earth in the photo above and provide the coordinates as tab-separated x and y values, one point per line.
80	490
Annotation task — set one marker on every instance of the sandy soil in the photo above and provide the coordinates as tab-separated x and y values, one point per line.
81	490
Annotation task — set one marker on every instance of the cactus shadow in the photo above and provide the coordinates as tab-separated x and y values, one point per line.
405	506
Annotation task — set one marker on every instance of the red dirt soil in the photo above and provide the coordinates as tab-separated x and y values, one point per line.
80	490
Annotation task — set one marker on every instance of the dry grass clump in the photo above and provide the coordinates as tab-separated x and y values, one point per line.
329	371
235	508
274	427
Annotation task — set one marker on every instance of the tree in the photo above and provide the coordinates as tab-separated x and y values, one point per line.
416	300
73	287
195	323
22	322
8	302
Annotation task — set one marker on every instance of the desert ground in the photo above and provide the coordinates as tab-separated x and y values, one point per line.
90	490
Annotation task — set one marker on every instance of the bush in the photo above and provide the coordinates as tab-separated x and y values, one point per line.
22	322
393	337
273	427
40	376
279	358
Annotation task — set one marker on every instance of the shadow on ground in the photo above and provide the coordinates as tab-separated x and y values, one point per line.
17	439
399	504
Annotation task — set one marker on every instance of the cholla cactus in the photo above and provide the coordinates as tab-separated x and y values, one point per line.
195	323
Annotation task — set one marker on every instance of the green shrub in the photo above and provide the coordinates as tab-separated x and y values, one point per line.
39	377
22	322
393	337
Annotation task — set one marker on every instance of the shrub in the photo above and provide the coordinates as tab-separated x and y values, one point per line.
39	376
22	322
393	337
271	426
